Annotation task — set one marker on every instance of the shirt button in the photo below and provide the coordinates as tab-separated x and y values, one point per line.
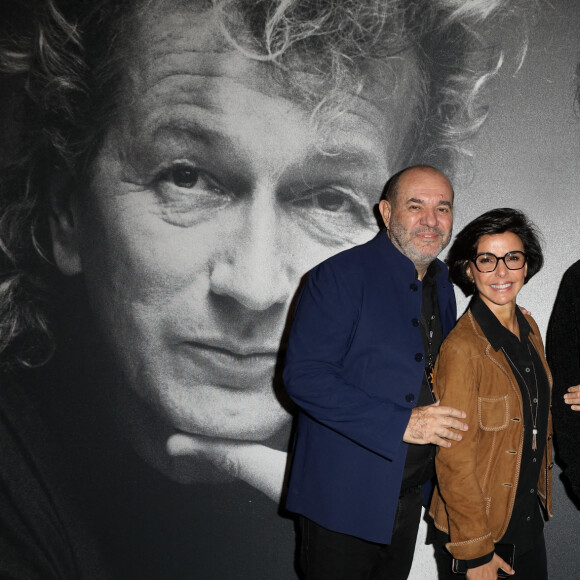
409	397
535	400
419	357
534	460
527	369
528	519
532	490
414	322
413	287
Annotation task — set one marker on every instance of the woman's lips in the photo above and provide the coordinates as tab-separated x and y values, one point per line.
503	286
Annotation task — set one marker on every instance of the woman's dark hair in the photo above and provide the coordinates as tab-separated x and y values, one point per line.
495	221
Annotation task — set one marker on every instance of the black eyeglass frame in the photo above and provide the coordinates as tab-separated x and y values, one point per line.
497	259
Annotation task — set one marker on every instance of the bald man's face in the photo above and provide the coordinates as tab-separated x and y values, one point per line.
420	219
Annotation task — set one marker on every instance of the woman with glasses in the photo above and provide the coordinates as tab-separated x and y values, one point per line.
492	366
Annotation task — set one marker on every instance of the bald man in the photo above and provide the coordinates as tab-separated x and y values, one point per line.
367	329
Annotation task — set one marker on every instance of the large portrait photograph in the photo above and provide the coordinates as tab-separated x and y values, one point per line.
170	173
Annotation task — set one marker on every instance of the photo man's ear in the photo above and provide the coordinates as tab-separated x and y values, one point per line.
64	226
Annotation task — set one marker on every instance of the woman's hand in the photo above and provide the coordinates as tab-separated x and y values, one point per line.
489	571
572	397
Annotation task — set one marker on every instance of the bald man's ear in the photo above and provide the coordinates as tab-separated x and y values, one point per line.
385	211
64	226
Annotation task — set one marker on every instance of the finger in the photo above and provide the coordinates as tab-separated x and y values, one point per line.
572	399
440	441
450	435
575	407
504	565
451	412
180	444
223	456
574	389
455	424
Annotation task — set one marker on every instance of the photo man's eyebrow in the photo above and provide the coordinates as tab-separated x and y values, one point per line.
188	129
348	156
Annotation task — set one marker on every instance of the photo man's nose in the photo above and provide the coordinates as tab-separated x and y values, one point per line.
255	270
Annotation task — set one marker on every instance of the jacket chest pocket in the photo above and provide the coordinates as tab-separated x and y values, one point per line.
493	413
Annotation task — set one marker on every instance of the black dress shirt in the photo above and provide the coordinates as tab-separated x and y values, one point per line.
419	463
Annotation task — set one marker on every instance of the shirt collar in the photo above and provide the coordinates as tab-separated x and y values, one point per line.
432	272
497	334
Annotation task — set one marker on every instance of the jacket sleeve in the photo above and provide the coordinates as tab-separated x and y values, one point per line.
563	350
456	384
324	326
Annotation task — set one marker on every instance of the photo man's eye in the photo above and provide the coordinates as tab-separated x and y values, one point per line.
188	194
326	200
184	179
182	176
334	214
331	201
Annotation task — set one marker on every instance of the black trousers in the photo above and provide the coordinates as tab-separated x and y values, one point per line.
531	565
328	555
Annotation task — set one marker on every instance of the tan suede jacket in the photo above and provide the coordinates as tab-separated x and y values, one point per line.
478	476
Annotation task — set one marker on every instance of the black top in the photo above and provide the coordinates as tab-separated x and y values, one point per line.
419	464
42	535
563	350
77	502
526	520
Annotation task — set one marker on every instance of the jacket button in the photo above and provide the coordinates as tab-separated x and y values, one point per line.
413	287
415	322
419	357
409	397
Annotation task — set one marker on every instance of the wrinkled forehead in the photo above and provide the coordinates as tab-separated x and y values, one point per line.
183	43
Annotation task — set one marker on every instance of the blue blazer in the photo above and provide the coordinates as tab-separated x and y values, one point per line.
354	366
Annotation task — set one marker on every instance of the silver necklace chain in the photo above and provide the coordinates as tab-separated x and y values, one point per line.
537	399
